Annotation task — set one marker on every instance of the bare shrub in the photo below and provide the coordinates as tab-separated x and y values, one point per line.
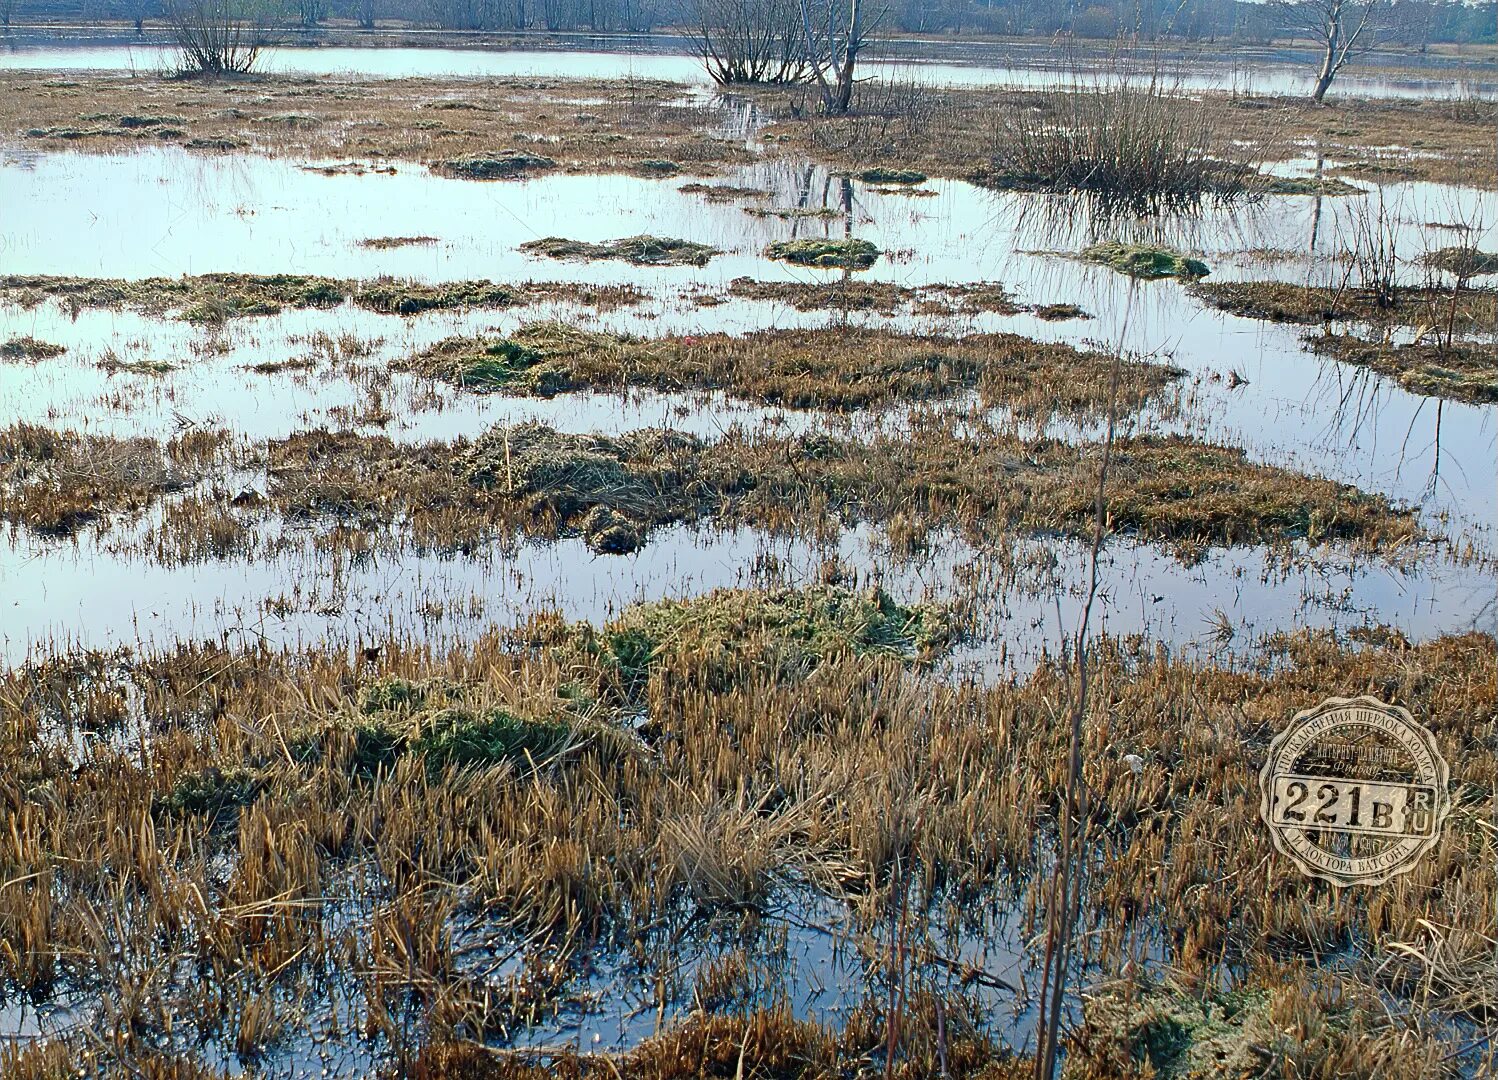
749	41
1131	139
216	37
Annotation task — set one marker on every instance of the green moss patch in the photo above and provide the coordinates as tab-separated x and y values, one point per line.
1142	261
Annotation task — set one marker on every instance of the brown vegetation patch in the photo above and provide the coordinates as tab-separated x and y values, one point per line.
946	472
633	128
386	243
29	348
58	482
986	484
1462	371
1401	305
215	298
959	132
858	294
290	820
638	250
834	368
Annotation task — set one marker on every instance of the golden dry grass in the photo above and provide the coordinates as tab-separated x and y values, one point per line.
986	483
590	126
583	125
310	771
841	368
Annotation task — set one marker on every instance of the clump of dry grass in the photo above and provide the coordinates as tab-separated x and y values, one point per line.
505	165
724	192
1452	354
386	243
1405	305
58	482
857	294
1461	371
829	253
29	348
1463	262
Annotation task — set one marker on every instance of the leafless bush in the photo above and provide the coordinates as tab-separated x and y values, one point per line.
216	37
1373	258
749	41
1133	139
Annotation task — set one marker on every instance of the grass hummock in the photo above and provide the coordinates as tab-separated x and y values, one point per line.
29	348
829	369
641	250
386	243
1463	262
845	254
885	175
506	165
1143	261
1458	370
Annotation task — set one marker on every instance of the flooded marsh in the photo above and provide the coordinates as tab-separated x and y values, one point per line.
524	572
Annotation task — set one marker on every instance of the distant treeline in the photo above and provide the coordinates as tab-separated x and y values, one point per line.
1420	22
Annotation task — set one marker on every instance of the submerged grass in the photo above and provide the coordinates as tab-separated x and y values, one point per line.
59	482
